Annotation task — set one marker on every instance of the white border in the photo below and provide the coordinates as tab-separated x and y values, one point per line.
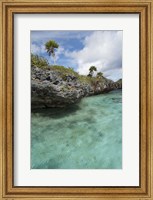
129	175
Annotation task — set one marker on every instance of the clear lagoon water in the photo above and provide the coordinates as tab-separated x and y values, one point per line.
87	135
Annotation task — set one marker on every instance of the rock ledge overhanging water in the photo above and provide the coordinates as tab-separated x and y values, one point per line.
49	88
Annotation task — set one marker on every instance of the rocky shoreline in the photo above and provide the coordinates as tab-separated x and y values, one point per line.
51	88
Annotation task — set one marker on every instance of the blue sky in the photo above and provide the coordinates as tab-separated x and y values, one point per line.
82	49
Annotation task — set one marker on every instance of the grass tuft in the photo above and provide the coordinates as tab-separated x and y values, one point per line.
40	62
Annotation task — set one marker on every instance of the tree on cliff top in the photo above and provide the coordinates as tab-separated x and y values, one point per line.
50	47
99	75
91	71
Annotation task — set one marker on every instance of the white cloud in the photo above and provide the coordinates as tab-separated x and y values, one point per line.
102	49
59	51
40	50
36	49
114	74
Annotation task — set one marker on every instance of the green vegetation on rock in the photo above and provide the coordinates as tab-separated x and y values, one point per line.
59	86
39	61
99	75
63	70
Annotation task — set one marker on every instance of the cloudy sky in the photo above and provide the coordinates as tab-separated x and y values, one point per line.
82	49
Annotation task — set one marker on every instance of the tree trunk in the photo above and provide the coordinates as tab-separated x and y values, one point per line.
54	60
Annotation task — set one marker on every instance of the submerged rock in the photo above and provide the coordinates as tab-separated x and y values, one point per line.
49	88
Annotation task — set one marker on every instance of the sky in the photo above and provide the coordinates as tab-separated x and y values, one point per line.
82	49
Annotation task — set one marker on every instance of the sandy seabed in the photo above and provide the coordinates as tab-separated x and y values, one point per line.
87	135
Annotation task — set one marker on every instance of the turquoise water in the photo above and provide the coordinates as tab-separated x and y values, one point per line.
83	136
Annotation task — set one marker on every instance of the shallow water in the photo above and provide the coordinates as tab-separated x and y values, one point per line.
83	136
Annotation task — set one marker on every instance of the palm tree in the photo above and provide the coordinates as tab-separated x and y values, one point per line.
99	75
50	47
91	70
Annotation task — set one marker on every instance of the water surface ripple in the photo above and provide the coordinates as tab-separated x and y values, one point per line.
83	136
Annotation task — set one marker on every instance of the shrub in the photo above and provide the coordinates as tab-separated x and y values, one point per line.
64	70
39	61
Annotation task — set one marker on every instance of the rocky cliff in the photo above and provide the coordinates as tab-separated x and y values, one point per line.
53	88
